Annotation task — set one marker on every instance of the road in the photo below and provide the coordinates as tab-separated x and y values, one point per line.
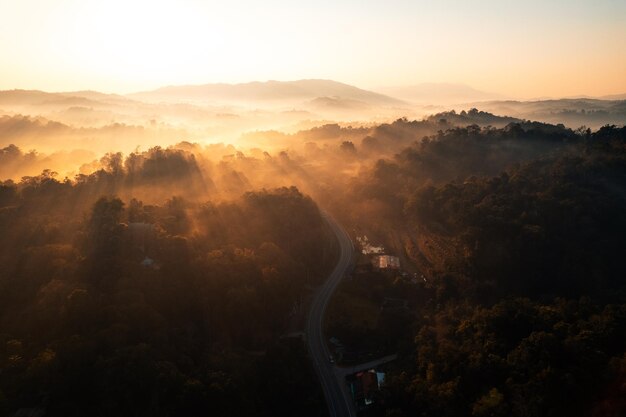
335	390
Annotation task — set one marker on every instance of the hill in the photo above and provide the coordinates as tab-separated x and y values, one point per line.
269	91
17	98
439	93
570	112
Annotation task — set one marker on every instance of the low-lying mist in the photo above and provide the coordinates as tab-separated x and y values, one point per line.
187	264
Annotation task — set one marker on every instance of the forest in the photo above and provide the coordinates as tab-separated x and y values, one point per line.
119	307
312	208
526	304
166	281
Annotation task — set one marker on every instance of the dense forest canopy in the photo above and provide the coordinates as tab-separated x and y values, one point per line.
526	294
117	307
163	282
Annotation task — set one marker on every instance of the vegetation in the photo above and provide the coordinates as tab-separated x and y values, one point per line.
515	358
527	315
144	309
164	282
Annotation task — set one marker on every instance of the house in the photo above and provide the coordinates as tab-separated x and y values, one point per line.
364	385
387	262
369	384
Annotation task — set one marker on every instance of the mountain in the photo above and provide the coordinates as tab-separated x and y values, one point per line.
269	91
27	97
571	112
439	93
614	97
334	103
75	98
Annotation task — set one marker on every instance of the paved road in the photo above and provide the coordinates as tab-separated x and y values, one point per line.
335	391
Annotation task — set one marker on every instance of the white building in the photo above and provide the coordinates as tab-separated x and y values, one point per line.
387	262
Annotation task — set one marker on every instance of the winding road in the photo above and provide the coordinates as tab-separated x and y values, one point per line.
335	390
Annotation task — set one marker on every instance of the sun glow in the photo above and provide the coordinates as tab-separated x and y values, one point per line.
130	45
144	42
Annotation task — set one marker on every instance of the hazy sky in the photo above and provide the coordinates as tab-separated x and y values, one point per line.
521	48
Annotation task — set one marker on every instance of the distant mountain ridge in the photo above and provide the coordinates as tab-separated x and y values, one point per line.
42	98
268	91
304	100
572	112
614	97
440	93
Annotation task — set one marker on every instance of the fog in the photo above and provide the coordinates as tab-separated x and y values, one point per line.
248	136
164	246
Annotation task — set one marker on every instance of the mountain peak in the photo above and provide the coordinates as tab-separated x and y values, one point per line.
266	91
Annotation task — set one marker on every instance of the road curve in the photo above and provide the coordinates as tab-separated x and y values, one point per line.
336	393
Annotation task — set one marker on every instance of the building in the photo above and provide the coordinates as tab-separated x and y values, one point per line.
364	386
387	262
367	248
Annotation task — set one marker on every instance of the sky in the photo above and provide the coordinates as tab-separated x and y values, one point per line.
524	49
